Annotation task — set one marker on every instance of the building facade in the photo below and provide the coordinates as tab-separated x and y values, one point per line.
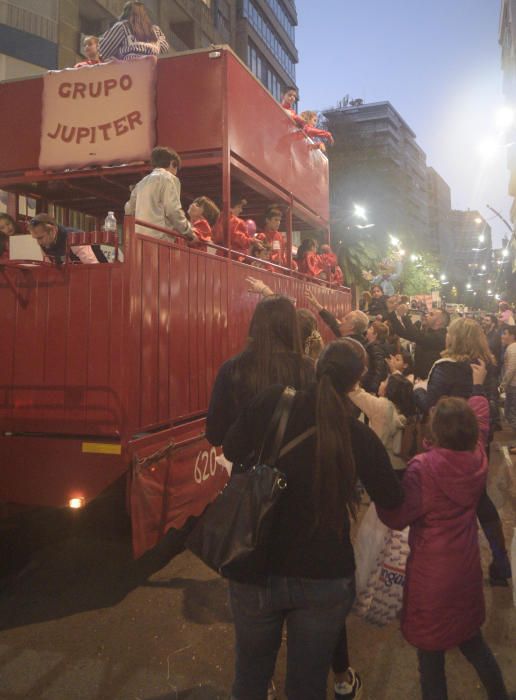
378	164
38	35
470	253
439	218
265	40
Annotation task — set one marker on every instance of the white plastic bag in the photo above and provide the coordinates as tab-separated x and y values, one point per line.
380	581
368	545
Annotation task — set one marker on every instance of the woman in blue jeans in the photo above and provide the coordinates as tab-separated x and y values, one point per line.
310	586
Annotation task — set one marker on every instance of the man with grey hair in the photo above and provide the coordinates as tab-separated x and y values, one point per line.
353	325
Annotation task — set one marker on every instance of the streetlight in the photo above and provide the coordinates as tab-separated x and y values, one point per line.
395	241
481	238
478	220
468	286
505	253
360	212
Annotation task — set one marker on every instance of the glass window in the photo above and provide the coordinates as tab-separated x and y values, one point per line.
269	36
283	17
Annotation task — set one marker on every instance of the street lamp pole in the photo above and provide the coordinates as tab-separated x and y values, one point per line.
497	213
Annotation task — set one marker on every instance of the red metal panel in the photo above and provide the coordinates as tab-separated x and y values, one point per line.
193	333
48	471
179	351
189	102
20	115
164	369
8	304
149	334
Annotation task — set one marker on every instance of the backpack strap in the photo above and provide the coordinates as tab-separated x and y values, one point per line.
297	441
278	423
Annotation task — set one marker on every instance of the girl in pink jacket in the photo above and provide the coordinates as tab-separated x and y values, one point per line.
443	604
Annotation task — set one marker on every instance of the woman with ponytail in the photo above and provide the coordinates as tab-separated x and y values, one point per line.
310	586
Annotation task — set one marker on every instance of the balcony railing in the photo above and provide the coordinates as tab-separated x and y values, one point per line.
28	21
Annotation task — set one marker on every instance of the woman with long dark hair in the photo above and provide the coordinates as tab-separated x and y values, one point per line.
310	585
273	355
133	35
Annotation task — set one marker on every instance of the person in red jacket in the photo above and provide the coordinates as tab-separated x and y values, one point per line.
273	240
90	48
443	603
203	213
329	265
307	259
288	100
240	239
311	130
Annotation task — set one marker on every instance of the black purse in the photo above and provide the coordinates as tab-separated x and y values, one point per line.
233	534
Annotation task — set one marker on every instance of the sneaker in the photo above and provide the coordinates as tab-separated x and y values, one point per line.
271	691
351	690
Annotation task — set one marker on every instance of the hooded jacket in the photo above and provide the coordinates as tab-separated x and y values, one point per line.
443	602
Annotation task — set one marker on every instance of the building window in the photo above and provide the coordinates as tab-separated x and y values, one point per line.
263	27
263	71
283	17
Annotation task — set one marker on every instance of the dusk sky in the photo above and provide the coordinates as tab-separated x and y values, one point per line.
437	62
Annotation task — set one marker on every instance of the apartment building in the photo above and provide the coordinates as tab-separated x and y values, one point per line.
378	164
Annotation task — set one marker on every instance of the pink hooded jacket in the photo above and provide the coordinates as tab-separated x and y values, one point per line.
443	602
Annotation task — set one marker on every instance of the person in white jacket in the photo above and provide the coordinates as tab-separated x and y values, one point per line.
389	413
156	198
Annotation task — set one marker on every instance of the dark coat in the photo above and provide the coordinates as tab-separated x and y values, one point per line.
57	251
450	378
229	395
378	307
443	603
300	547
429	343
377	371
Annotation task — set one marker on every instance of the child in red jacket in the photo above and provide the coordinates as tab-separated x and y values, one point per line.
240	239
203	213
272	238
330	266
307	260
288	101
443	603
311	130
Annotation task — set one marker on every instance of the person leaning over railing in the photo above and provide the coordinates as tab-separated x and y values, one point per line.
53	239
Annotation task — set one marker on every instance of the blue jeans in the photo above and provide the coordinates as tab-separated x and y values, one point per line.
510	406
314	610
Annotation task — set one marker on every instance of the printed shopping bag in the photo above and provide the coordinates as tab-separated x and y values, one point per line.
380	598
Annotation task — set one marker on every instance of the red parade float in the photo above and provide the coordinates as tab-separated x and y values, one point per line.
107	369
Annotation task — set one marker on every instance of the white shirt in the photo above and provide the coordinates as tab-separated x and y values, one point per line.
156	199
384	420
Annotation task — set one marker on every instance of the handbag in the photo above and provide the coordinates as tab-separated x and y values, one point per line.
234	533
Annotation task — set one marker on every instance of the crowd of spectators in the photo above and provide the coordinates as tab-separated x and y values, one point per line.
384	380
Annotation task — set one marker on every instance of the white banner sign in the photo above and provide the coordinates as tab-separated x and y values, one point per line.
98	115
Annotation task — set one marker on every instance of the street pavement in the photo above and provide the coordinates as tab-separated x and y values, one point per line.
80	621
